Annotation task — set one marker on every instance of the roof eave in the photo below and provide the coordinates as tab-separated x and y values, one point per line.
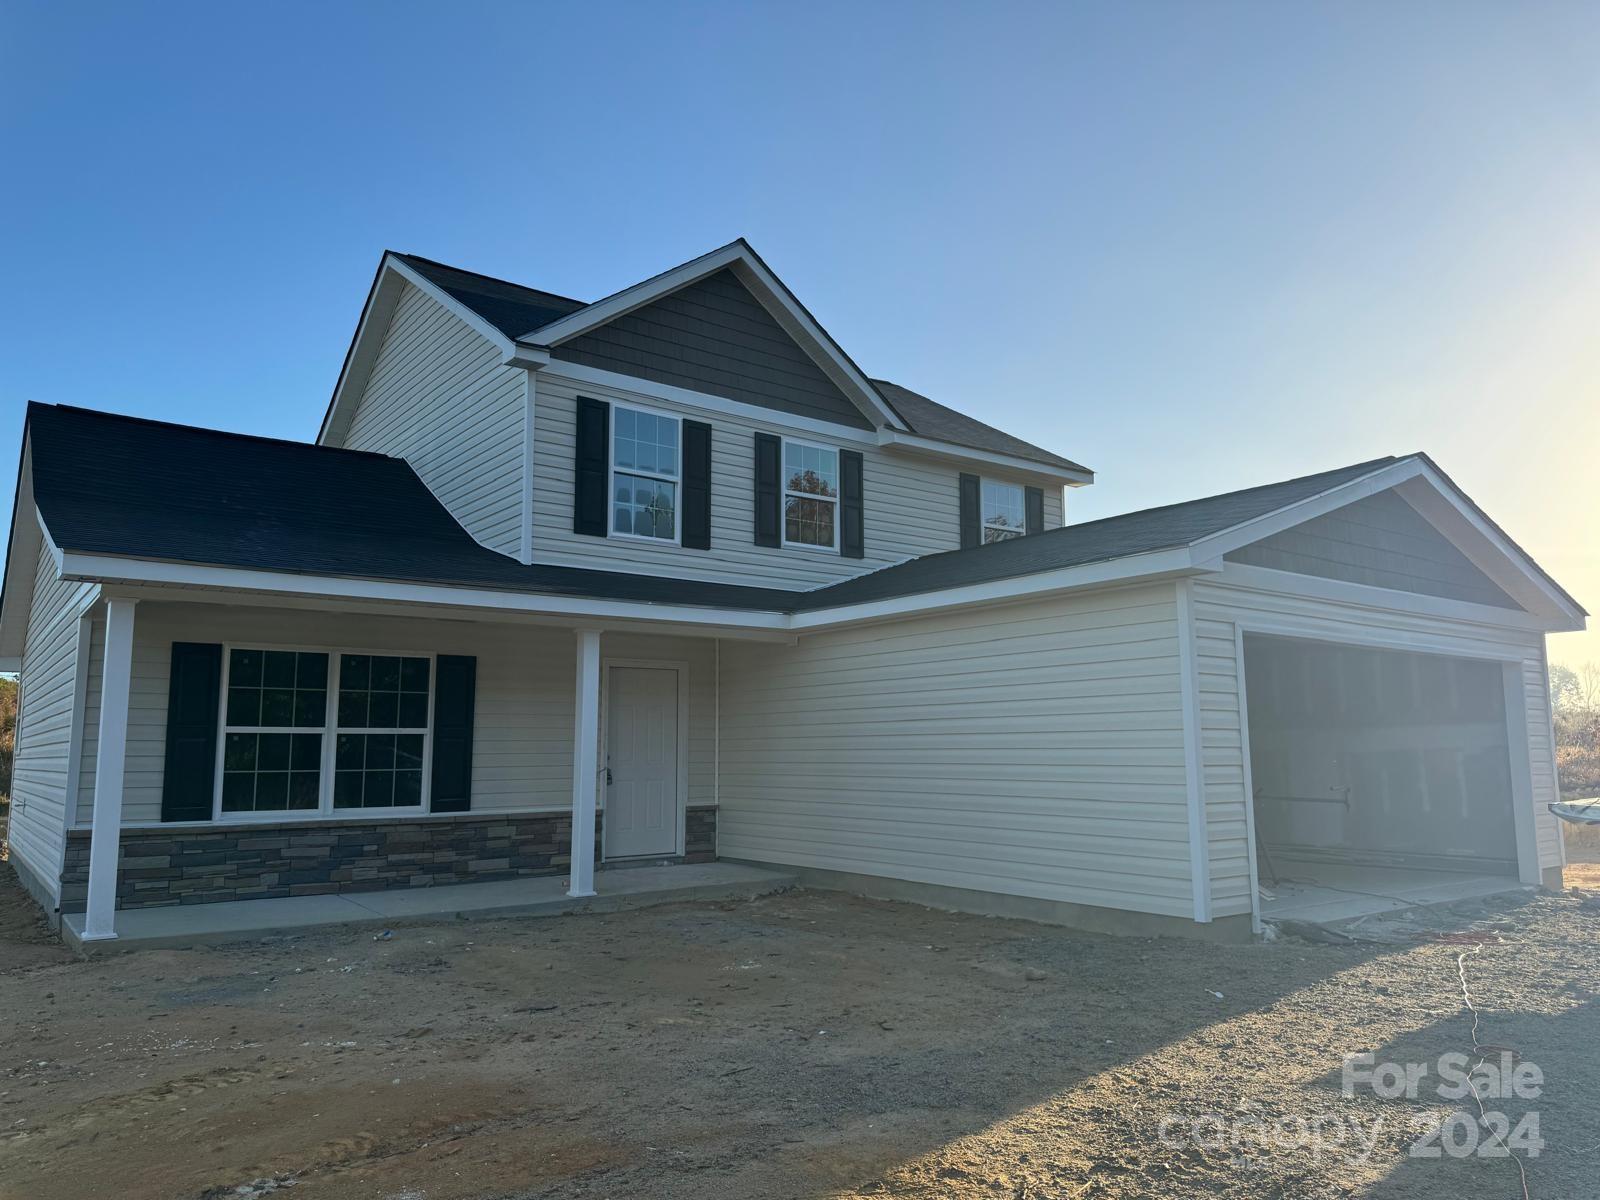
1067	476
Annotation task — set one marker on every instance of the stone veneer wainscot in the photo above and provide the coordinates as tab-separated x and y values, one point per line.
203	864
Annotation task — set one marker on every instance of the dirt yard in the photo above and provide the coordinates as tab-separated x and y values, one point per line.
804	1045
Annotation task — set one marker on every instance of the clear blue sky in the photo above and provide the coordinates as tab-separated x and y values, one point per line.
1195	246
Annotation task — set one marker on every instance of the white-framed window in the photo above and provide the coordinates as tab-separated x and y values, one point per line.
646	461
322	732
1004	511
382	730
810	495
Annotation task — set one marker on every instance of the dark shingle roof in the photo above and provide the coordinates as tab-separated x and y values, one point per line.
932	419
511	308
1142	532
108	484
518	311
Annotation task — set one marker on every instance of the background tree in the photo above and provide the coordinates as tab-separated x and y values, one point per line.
1575	702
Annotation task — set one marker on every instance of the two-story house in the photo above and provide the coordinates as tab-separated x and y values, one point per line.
667	576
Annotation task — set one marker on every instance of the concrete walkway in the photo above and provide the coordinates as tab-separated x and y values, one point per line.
541	896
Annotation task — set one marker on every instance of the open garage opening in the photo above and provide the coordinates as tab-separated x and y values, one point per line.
1380	778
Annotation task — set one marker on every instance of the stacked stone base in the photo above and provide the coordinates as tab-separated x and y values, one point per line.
200	865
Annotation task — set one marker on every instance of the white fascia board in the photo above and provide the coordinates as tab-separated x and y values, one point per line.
629	385
893	439
110	568
1379	480
767	287
374	324
621	303
50	542
1338	591
488	332
1157	564
364	346
1444	507
22	563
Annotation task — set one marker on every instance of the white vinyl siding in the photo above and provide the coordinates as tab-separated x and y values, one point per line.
43	745
439	398
1218	609
522	735
1032	750
912	505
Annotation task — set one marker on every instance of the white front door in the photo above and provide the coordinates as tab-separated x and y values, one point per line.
641	762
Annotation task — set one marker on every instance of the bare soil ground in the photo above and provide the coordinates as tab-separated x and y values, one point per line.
804	1045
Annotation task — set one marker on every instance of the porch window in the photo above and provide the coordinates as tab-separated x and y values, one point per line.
323	731
1004	511
382	731
810	495
644	474
273	729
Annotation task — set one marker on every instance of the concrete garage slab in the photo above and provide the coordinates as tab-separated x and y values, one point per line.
543	896
1333	894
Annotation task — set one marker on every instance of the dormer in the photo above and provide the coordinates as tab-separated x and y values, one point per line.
698	424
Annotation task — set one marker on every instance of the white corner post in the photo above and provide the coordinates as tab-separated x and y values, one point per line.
585	763
105	834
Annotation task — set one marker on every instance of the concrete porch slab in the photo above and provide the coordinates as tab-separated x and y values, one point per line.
541	896
1329	894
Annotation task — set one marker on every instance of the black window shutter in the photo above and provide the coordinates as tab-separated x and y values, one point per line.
591	466
1033	510
971	522
769	489
454	695
188	780
852	531
696	485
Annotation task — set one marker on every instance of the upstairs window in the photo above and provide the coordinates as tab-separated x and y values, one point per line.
810	496
644	474
1004	511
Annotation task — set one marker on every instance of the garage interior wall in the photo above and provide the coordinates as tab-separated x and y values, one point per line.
1225	610
1383	757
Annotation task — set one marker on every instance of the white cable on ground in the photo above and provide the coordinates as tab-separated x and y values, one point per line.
1478	1049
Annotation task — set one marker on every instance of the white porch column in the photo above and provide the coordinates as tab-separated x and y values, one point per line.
585	763
105	835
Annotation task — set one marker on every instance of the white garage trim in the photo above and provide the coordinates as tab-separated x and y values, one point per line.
1194	763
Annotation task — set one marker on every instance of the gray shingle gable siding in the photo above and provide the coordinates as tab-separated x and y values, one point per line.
713	336
1143	532
1381	542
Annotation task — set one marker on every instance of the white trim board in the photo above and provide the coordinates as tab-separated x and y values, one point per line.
1439	502
1292	583
1193	758
769	291
895	441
